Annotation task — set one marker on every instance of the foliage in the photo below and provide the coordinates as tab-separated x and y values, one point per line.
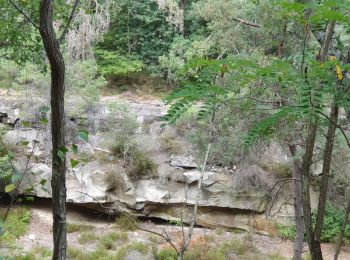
166	254
112	64
126	222
139	164
15	226
331	225
278	169
82	81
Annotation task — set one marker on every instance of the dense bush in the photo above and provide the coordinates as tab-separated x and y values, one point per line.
331	226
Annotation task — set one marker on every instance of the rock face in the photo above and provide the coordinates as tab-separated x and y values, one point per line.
235	199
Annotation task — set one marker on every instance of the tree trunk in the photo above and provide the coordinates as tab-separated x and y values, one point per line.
342	229
306	175
58	181
327	158
314	247
298	205
182	25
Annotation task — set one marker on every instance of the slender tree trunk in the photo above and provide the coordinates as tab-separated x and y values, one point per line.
183	8
327	158
58	181
298	205
342	229
315	249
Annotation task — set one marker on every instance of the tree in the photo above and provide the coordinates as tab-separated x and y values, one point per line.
54	55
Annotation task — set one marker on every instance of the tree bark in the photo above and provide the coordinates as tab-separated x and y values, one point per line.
327	158
342	229
183	8
298	205
58	181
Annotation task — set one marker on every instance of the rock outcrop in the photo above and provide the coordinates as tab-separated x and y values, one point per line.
231	199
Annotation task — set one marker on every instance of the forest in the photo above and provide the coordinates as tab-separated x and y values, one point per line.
174	129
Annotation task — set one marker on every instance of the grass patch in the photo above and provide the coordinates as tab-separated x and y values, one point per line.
136	246
75	227
15	226
87	237
36	253
166	254
98	254
108	241
140	164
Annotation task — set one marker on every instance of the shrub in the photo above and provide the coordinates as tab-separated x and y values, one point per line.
170	142
126	222
15	226
166	254
114	178
286	232
140	164
331	225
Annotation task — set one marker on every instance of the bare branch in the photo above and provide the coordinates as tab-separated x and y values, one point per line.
246	22
69	21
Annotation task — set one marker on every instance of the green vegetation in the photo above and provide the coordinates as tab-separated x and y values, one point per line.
135	246
331	226
108	241
78	227
87	236
126	222
15	226
36	253
278	169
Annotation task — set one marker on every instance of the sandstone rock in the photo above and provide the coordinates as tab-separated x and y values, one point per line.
182	161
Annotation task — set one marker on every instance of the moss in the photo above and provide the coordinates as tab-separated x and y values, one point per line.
15	226
75	227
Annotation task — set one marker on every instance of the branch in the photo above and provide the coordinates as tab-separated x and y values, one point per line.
69	21
24	14
246	22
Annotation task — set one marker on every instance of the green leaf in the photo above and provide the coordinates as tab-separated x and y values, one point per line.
15	178
74	148
44	121
74	163
62	153
44	109
10	187
43	182
24	143
11	155
84	135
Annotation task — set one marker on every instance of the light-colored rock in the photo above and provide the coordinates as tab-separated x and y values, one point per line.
182	161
